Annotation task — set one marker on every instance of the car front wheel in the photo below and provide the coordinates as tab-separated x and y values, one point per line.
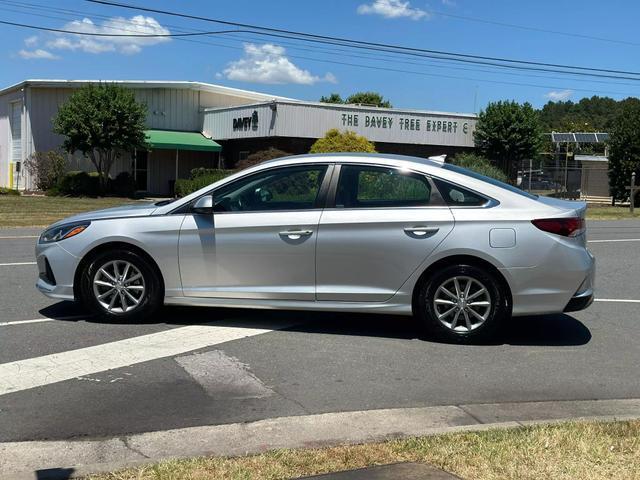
120	286
462	303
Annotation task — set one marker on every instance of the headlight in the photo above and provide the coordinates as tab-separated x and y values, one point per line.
61	232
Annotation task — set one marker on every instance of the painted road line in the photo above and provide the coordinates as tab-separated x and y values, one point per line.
37	372
11	237
614	300
45	319
15	264
615	240
21	322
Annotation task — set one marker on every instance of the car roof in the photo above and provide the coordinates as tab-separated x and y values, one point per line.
355	157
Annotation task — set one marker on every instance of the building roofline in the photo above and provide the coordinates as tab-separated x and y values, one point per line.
340	106
203	86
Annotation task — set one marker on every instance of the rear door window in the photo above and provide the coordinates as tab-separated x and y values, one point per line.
362	186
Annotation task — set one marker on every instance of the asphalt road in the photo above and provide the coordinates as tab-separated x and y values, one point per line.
192	366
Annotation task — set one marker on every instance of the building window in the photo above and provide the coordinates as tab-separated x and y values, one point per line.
243	155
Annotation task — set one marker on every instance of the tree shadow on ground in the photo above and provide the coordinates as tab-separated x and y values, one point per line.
543	330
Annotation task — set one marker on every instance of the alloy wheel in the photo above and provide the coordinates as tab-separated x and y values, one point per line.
462	304
119	286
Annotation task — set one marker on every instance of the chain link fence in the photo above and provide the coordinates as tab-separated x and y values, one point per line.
566	176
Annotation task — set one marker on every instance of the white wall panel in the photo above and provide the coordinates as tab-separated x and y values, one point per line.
290	119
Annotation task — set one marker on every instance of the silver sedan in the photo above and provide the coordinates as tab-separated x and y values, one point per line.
342	232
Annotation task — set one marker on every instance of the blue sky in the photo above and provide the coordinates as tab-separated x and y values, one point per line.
307	71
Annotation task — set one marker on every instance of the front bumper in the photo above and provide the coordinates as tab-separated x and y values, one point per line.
56	268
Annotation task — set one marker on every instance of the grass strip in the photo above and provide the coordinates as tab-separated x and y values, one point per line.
561	451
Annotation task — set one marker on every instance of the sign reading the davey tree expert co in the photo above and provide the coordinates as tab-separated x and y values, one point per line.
404	123
312	120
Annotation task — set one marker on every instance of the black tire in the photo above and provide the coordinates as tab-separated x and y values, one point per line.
482	331
151	297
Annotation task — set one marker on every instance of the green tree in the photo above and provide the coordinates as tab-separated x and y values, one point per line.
333	98
362	98
595	114
624	148
102	122
508	133
336	141
369	98
479	164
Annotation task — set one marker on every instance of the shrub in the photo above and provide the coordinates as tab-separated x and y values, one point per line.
261	156
479	164
200	177
8	191
78	183
336	141
123	185
47	168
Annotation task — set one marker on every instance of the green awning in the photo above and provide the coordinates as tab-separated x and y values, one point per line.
166	139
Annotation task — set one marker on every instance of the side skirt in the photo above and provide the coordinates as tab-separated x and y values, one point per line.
327	306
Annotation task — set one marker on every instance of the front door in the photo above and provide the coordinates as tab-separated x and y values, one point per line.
384	224
260	242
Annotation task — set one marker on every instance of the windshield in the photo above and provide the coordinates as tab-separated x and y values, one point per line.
492	181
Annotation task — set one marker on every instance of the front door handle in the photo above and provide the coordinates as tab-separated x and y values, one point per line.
296	234
421	231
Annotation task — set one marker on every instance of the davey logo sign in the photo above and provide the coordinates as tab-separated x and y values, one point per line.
246	123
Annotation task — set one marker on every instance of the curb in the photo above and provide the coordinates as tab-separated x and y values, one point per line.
75	458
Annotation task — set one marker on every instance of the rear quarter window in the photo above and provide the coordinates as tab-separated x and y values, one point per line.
457	196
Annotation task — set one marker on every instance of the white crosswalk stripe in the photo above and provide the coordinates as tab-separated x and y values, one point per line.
36	372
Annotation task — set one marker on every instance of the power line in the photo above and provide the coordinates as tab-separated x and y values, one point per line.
352	42
339	43
330	52
98	34
532	29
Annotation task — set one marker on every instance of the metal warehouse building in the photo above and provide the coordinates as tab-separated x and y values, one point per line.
194	124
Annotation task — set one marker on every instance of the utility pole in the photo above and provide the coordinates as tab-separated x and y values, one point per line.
632	191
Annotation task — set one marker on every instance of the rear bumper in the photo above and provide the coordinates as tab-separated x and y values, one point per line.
579	302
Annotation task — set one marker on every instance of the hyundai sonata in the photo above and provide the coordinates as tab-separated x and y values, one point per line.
341	232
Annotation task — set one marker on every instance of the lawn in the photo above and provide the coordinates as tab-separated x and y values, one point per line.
569	451
29	211
601	212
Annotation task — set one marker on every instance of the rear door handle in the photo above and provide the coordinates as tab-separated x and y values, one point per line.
421	231
296	234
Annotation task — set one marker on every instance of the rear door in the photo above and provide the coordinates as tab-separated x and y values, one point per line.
383	223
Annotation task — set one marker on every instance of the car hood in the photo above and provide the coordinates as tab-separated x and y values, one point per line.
136	210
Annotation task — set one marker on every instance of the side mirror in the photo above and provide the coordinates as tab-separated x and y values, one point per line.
203	206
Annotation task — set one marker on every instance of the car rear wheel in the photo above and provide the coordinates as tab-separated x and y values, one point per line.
462	303
120	286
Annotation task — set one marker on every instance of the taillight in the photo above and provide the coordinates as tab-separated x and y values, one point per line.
567	227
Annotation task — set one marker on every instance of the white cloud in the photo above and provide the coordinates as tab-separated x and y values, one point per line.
392	9
268	63
31	41
449	3
37	54
138	24
559	95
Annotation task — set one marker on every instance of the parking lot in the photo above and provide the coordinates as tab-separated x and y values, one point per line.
63	375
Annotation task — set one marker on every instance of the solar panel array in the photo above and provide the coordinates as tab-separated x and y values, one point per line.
579	137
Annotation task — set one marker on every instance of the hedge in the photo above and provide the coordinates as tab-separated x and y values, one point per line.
200	177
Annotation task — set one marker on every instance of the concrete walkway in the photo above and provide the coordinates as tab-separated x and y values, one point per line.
69	459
